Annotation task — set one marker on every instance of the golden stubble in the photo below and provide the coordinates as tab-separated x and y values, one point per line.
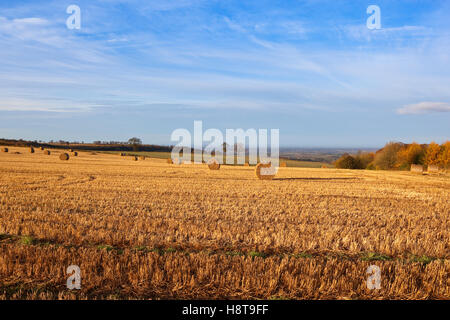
150	229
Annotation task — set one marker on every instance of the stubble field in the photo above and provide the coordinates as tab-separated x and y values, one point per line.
148	230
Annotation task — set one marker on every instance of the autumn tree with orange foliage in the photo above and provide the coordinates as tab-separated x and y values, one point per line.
411	154
386	158
444	158
432	154
401	156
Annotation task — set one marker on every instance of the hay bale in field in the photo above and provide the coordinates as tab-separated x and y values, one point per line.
31	150
417	168
64	156
5	149
47	152
283	165
213	164
433	168
169	161
265	171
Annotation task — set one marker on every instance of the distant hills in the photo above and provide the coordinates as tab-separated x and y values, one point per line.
328	155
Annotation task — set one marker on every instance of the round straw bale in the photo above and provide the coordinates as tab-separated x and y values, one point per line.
417	168
265	171
213	164
47	152
64	156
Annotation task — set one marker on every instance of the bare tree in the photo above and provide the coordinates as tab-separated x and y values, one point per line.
135	142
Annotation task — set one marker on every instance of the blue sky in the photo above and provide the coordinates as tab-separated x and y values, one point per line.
145	68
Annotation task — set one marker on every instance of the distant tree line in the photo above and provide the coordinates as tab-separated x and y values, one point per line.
108	142
398	156
133	144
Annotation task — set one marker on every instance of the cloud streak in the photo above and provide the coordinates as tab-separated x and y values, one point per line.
425	107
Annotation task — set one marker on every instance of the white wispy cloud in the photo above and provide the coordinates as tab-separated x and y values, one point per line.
29	21
123	39
425	107
362	33
234	26
294	27
43	105
25	29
